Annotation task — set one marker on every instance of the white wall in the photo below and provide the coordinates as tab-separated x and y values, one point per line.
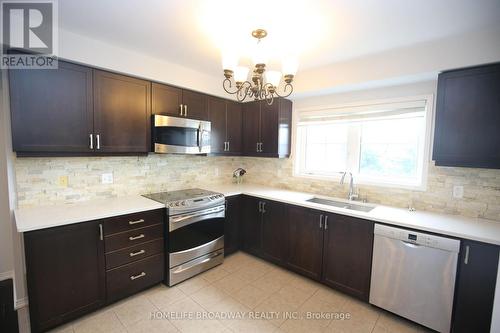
404	65
97	53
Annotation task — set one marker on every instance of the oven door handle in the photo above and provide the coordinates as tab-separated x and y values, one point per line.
179	221
195	262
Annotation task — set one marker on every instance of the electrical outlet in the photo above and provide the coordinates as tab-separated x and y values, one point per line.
63	181
107	178
458	191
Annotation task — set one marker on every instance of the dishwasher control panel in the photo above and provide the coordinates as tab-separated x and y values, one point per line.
418	238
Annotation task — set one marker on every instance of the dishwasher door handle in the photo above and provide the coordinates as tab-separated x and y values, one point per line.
410	244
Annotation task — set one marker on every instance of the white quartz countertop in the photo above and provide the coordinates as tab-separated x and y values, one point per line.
452	225
28	219
41	217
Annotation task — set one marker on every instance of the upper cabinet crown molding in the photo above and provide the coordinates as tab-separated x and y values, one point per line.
468	118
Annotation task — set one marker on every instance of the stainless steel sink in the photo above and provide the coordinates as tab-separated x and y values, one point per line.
341	204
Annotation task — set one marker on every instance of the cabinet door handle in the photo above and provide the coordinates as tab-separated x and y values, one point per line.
228	146
260	147
467	250
101	236
135	277
321	221
180	112
257	147
136	237
98	138
136	222
263	207
185	110
133	254
91	138
326	222
260	206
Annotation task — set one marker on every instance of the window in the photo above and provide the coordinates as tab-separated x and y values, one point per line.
380	143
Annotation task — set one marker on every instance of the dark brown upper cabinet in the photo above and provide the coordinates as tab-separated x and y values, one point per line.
347	254
166	100
65	273
51	109
225	117
172	101
468	118
267	128
121	113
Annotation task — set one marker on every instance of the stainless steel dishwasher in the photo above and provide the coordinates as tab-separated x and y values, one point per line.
413	275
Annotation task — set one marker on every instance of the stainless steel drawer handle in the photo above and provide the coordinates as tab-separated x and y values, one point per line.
133	254
135	222
135	277
136	237
466	259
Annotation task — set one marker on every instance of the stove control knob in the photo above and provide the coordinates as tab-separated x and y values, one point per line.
183	203
177	203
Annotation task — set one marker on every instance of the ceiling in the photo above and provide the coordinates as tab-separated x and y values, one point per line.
193	33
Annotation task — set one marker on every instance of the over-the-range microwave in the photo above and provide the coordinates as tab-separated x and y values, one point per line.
180	135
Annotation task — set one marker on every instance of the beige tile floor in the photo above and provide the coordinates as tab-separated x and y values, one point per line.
243	286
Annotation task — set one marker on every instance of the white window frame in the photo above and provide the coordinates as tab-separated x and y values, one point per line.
299	145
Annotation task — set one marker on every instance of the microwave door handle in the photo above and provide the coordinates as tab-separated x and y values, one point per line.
200	136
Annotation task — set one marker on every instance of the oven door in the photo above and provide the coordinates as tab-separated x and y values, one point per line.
195	234
181	135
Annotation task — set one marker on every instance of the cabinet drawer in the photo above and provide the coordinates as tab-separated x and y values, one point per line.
129	279
133	237
128	222
134	253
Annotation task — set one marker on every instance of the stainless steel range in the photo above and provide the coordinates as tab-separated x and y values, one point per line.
195	238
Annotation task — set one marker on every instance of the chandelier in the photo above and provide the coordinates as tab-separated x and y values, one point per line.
264	84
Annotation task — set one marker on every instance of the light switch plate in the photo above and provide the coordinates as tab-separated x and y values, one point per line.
458	191
107	178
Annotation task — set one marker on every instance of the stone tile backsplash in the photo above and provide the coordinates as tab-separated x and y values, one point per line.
38	181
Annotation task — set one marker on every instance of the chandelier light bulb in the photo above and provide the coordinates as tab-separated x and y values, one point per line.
290	66
273	78
240	73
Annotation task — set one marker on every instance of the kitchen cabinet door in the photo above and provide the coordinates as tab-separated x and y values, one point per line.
274	233
217	117
232	225
468	118
195	105
166	100
305	241
269	117
51	109
234	127
251	128
122	111
65	273
252	229
475	287
347	254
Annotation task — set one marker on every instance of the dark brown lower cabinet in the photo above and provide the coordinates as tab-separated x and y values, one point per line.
232	225
347	254
305	241
264	232
65	273
8	315
475	287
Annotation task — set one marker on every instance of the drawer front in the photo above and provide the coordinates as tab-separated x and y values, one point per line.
129	279
128	222
134	253
133	237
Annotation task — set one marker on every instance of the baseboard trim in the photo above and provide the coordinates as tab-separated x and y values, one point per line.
7	275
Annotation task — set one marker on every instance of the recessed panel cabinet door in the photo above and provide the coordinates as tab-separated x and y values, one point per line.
195	105
252	229
475	287
269	116
121	113
51	109
232	224
65	273
234	127
166	100
217	117
251	128
305	241
347	254
274	233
